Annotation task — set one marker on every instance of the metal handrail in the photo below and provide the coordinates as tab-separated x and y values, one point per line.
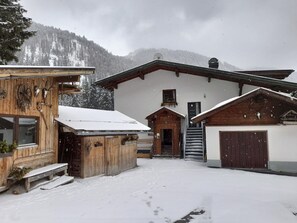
185	135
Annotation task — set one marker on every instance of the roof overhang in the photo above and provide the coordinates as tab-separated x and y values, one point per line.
7	72
277	74
241	78
82	132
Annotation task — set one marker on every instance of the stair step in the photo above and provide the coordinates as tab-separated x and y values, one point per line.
194	158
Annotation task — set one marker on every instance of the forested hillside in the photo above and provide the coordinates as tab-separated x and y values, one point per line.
54	47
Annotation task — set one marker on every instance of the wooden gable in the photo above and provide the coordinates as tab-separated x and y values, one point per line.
261	107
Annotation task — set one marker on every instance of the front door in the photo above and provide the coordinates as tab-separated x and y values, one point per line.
194	108
166	143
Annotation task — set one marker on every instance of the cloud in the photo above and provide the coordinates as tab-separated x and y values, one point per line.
246	33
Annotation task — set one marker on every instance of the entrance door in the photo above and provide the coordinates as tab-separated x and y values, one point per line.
112	153
244	149
166	143
70	152
194	108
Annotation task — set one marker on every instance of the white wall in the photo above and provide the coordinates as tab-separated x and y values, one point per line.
138	98
282	141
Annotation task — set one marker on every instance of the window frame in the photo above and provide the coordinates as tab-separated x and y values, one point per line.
16	129
165	100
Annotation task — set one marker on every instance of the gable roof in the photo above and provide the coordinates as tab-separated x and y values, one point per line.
163	109
84	121
239	77
236	100
277	74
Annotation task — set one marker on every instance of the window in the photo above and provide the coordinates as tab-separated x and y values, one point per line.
21	130
169	97
27	131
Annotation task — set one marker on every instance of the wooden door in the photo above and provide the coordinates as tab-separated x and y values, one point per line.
194	108
112	155
244	149
70	152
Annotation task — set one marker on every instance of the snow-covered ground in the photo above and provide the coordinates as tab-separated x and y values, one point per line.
160	190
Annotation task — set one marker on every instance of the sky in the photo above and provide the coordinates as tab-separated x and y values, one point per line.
249	34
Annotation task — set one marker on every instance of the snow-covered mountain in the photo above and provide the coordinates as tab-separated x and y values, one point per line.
54	47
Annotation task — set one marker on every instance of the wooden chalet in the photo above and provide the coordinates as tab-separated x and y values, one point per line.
28	107
256	130
97	142
166	95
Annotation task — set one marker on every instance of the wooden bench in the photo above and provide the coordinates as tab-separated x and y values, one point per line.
46	171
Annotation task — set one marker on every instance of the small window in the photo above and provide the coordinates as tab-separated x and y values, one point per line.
169	97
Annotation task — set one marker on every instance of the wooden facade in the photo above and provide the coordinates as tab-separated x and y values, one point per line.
32	93
166	126
257	110
45	110
89	156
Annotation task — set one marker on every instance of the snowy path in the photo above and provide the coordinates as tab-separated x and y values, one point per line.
160	191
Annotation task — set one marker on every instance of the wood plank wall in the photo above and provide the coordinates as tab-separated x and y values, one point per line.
268	109
106	155
45	152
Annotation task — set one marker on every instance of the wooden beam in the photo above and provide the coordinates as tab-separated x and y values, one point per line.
141	75
177	73
240	85
67	79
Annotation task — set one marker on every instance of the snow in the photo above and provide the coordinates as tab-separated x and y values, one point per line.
160	190
170	109
45	169
84	119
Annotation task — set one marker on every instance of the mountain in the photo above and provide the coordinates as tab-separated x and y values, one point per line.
141	56
55	47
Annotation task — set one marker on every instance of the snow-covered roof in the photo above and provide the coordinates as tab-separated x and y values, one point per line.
231	100
84	121
169	109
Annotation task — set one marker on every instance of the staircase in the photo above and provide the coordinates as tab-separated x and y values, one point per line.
194	147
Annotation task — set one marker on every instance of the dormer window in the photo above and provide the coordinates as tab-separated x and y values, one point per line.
169	97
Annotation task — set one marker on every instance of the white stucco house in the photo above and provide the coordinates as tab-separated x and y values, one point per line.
166	95
256	130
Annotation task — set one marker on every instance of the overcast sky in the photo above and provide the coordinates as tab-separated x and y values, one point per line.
246	33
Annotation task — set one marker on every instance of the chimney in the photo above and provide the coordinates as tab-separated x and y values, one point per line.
213	63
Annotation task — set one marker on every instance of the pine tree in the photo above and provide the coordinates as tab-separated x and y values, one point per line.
13	29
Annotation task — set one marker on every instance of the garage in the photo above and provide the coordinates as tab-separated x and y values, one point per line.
244	149
256	130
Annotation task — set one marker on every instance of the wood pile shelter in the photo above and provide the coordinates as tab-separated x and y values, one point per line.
256	131
97	142
28	107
